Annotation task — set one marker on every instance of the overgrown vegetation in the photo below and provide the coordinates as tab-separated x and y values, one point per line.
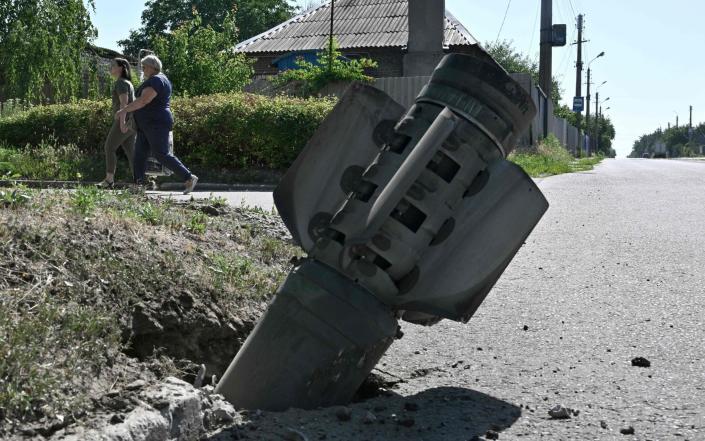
329	67
199	59
552	158
76	267
47	160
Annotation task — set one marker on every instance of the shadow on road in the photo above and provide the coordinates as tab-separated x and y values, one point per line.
446	413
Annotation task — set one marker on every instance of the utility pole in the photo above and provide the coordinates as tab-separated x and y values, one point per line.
597	106
546	56
330	40
579	78
587	113
676	121
690	125
599	129
546	60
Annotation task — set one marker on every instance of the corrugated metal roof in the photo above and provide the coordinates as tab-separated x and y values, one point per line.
358	24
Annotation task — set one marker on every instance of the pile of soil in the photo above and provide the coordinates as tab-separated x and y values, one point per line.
140	290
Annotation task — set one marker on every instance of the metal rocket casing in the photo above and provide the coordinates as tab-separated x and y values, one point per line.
420	208
413	214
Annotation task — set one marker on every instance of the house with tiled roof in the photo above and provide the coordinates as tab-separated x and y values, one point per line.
404	37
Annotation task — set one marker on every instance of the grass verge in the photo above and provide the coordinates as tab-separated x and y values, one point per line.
552	159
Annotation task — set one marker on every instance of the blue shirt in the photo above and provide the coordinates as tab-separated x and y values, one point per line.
157	114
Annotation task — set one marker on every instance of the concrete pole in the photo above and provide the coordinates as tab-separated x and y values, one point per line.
330	40
587	113
597	106
546	57
599	129
546	61
579	79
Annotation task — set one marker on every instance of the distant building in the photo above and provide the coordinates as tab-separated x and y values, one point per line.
400	35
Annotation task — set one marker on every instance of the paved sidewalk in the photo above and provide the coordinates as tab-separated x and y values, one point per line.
253	199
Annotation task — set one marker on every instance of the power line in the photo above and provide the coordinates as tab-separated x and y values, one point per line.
572	8
509	3
563	66
533	32
560	12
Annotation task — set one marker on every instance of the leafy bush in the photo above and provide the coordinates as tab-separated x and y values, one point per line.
215	132
329	67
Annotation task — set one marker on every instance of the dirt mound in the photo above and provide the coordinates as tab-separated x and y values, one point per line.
88	278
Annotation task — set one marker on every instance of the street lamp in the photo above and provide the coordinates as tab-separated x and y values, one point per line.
589	71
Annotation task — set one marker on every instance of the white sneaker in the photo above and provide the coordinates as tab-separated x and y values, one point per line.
191	184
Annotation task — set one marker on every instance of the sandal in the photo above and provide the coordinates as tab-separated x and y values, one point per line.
106	184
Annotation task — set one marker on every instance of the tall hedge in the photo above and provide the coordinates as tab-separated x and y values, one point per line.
225	131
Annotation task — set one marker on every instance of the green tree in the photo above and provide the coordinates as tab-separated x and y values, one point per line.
161	16
678	141
199	59
605	133
514	61
41	47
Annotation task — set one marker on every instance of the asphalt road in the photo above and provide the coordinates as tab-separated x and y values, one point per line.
614	271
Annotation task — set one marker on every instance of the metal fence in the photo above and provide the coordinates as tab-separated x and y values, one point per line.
13	106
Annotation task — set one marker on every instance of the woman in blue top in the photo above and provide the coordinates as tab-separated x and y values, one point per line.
154	120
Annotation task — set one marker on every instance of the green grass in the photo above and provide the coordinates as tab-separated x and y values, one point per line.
14	197
552	159
49	161
197	223
85	200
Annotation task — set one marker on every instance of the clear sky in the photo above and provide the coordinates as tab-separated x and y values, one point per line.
654	63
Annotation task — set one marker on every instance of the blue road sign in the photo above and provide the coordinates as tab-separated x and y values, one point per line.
578	104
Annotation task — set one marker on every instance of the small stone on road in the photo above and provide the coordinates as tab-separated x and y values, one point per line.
559	412
641	362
